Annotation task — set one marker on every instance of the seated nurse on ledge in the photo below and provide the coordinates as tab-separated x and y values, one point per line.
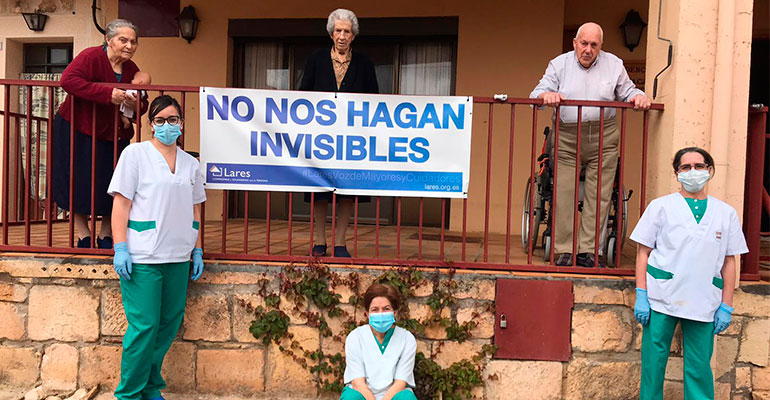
380	355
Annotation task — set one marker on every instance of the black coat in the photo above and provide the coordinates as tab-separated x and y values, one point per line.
319	74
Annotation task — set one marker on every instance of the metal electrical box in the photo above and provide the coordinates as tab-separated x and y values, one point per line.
533	319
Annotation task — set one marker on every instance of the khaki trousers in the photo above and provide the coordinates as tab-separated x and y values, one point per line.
565	191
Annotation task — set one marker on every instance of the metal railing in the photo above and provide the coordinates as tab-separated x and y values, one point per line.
34	225
756	201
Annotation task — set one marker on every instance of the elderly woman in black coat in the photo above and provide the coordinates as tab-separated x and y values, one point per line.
338	69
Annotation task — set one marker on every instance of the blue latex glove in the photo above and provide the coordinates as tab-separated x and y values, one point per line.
197	263
122	260
722	318
642	307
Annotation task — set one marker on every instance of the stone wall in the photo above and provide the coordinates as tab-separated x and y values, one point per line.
62	322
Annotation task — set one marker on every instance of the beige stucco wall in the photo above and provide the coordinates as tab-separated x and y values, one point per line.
502	48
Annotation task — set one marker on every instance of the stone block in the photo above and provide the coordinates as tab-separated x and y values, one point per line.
531	380
722	391
726	352
760	378
450	352
207	318
13	321
219	277
12	292
485	321
113	316
421	312
586	292
243	314
673	390
63	313
743	378
477	288
424	290
606	380
675	369
755	346
19	366
100	365
339	325
59	370
594	331
736	326
294	312
750	304
760	395
179	367
230	371
284	374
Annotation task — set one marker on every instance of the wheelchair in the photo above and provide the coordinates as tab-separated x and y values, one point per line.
542	209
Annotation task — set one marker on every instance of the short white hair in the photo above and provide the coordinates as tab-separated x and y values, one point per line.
342	14
112	28
587	24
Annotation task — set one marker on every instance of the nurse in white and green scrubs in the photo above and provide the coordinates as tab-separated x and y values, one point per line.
158	191
380	355
685	274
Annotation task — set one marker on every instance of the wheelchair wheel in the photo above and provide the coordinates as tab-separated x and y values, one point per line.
525	217
611	242
547	243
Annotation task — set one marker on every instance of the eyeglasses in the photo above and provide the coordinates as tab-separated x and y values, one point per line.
688	167
172	120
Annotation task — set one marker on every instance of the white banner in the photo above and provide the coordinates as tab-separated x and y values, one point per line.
365	144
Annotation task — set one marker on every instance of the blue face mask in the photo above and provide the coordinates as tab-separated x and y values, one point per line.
167	133
382	322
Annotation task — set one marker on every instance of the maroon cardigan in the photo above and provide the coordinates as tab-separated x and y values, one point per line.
81	79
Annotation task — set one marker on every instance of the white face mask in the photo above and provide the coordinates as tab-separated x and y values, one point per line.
693	180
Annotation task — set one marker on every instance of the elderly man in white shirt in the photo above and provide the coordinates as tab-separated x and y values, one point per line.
587	73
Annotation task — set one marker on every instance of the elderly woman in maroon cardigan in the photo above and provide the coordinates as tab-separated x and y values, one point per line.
82	80
338	69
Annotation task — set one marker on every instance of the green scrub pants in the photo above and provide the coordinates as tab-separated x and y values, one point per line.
698	343
154	301
352	394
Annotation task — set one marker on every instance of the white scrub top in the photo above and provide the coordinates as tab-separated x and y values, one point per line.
684	271
160	223
365	360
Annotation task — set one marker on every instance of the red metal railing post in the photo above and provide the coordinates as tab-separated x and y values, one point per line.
224	221
398	227
48	161
532	187
556	133
72	174
355	227
599	220
291	219
419	229
6	156
267	224
28	166
510	187
578	167
645	137
246	222
377	230
620	210
93	175
490	127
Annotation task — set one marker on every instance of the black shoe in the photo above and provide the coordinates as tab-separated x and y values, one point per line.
341	251
588	260
563	260
319	250
104	243
84	243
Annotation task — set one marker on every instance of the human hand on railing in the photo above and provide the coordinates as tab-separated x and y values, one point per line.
641	102
642	307
722	318
122	260
552	98
118	96
197	263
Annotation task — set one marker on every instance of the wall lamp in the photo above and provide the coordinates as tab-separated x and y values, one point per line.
188	23
632	29
35	20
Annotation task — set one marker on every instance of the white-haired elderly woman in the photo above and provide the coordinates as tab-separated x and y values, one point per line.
337	70
95	103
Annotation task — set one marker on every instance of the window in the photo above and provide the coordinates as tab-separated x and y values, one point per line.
415	56
46	58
